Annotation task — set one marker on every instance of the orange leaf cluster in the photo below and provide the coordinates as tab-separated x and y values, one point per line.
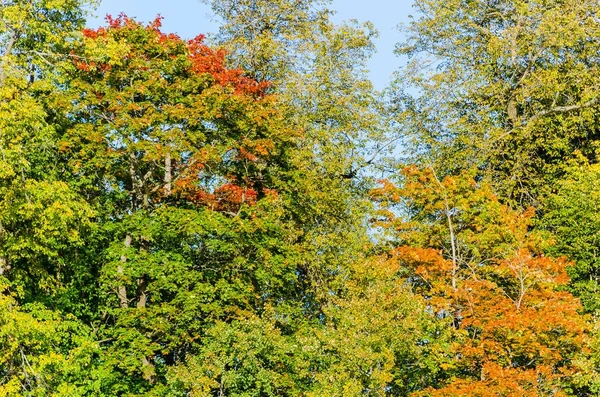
518	333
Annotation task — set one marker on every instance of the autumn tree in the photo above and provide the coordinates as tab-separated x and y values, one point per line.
187	165
478	264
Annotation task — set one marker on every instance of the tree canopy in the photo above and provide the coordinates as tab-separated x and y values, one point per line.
203	216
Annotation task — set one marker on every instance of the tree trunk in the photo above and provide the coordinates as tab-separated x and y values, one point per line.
168	174
122	290
141	293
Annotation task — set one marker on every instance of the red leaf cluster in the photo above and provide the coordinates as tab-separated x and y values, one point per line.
202	59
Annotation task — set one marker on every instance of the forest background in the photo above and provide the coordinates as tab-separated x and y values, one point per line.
247	214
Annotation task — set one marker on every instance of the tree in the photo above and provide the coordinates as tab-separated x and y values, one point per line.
187	165
42	219
572	217
506	86
318	71
477	263
378	337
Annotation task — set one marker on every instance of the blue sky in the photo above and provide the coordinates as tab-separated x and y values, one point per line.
189	18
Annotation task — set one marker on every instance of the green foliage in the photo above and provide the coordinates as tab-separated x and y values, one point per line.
317	69
41	219
178	220
507	86
243	358
43	352
378	338
572	217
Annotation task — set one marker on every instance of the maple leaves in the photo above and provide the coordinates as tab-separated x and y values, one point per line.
202	59
164	105
477	263
182	159
165	199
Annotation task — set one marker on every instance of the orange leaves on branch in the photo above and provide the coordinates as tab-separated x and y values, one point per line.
205	60
497	286
243	154
426	263
94	33
230	195
227	198
497	381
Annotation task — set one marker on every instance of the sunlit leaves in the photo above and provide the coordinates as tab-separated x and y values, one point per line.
477	263
508	86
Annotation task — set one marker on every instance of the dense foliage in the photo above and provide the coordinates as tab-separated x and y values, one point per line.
201	218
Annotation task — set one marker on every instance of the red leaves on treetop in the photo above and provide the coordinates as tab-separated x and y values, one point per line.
203	60
147	79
